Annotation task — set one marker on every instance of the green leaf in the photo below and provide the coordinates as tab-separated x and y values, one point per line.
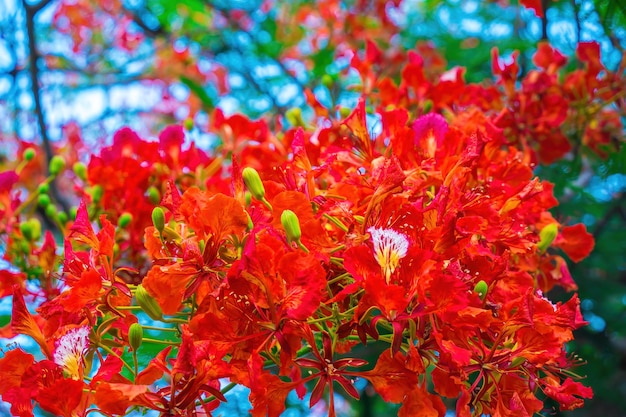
199	92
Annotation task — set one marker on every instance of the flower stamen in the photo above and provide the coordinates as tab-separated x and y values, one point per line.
70	349
389	247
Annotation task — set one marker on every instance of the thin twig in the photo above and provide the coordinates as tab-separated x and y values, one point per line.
33	58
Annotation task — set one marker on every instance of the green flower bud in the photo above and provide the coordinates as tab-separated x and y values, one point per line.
73	211
57	165
188	124
344	112
27	230
97	191
80	170
481	289
43	200
547	236
291	224
294	116
135	336
154	195
43	188
29	154
327	80
62	216
148	304
158	219
253	183
51	211
252	180
35	225
125	219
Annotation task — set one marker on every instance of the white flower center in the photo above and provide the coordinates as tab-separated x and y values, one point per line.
389	247
70	349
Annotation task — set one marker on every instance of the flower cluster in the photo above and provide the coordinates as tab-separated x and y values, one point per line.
271	263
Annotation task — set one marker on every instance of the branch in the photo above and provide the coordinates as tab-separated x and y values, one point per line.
33	57
617	208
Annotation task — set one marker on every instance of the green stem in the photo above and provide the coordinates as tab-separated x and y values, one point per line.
110	352
339	278
161	329
163	342
336	222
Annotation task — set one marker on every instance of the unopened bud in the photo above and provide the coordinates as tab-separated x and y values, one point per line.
43	200
148	304
158	219
327	80
291	224
344	112
57	165
29	154
253	183
43	189
154	195
97	191
51	211
26	231
547	236
188	124
294	116
135	336
481	289
62	216
125	219
80	170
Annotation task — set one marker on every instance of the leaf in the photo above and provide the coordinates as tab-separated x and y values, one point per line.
199	91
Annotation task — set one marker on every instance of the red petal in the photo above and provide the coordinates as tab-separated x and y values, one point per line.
12	366
116	398
81	230
22	322
390	378
61	397
575	241
421	403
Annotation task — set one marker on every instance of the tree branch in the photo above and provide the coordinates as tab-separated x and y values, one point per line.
33	57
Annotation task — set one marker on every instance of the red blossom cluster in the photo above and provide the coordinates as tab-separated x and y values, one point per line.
270	263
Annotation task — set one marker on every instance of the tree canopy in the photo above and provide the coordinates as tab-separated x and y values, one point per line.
415	206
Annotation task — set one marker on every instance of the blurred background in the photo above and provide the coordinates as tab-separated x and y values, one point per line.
75	71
